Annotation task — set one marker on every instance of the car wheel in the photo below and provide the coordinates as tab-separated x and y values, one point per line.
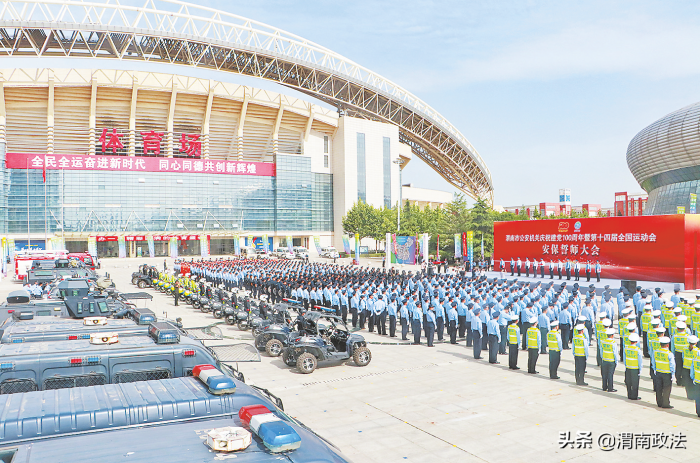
196	304
141	284
134	280
306	363
243	325
362	356
218	313
288	358
273	347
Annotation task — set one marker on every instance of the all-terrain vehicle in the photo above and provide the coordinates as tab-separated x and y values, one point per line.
325	337
274	334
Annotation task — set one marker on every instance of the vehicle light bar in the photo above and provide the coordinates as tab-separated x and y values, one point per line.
10	310
76	361
92	359
17	340
84	336
277	435
72	337
164	333
217	382
95	321
247	412
7	366
104	338
189	353
229	439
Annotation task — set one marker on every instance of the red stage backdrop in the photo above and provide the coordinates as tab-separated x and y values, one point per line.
651	248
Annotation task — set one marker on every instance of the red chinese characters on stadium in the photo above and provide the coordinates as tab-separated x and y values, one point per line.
190	145
651	248
151	142
111	141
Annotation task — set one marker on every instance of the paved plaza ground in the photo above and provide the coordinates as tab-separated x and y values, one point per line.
420	404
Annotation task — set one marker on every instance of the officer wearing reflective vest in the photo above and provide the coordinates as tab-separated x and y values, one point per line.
654	344
513	343
554	344
667	314
679	343
695	320
688	355
580	352
664	364
633	366
609	356
600	334
695	377
646	326
534	342
625	341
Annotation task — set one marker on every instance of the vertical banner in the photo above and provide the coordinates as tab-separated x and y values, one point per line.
680	210
693	203
237	245
470	246
264	243
173	247
482	245
204	245
92	246
346	244
404	249
464	244
458	245
122	247
151	247
290	244
250	242
388	245
4	256
317	243
425	241
357	249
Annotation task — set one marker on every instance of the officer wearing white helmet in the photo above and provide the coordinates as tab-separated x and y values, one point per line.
633	366
664	365
534	342
695	377
688	355
580	352
609	354
679	343
554	344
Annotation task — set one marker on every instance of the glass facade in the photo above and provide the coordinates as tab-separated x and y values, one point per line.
386	145
361	168
666	199
297	200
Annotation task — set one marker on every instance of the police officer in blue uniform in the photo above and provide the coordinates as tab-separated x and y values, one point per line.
494	333
476	332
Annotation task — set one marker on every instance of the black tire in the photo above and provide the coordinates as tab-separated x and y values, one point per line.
196	304
141	284
274	347
134	280
288	358
205	309
218	313
307	363
230	320
243	325
362	356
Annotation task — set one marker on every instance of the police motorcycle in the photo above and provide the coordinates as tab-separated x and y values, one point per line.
252	316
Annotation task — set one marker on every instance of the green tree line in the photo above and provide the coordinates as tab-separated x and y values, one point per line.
454	217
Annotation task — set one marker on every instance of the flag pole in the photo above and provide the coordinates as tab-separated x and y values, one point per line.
29	238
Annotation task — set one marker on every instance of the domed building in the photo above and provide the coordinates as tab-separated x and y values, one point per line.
665	159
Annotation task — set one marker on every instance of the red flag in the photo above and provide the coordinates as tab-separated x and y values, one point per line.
44	170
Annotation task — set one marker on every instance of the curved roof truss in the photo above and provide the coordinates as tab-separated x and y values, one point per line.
173	32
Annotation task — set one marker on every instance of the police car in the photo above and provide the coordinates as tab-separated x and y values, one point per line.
205	418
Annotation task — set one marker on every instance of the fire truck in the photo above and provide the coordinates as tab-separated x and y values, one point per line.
24	259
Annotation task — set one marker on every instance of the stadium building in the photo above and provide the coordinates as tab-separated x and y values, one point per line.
665	159
133	155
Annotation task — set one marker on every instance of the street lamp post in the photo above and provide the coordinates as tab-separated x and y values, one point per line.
400	162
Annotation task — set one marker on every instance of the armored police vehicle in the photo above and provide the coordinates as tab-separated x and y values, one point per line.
206	418
105	358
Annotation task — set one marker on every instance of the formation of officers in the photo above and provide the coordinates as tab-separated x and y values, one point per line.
496	316
568	267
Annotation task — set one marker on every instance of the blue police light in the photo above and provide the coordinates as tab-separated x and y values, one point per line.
92	359
7	366
164	333
221	385
85	336
279	436
17	340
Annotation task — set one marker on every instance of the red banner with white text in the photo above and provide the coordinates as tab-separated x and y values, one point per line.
648	248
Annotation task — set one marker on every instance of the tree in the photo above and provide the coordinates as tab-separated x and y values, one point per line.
361	219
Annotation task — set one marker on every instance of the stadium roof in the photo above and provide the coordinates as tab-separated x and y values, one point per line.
168	31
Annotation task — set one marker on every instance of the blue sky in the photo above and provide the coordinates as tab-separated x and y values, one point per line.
549	92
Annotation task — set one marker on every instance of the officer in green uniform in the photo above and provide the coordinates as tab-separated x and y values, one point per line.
679	343
633	366
513	343
695	377
609	356
664	364
554	344
646	326
534	342
580	352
